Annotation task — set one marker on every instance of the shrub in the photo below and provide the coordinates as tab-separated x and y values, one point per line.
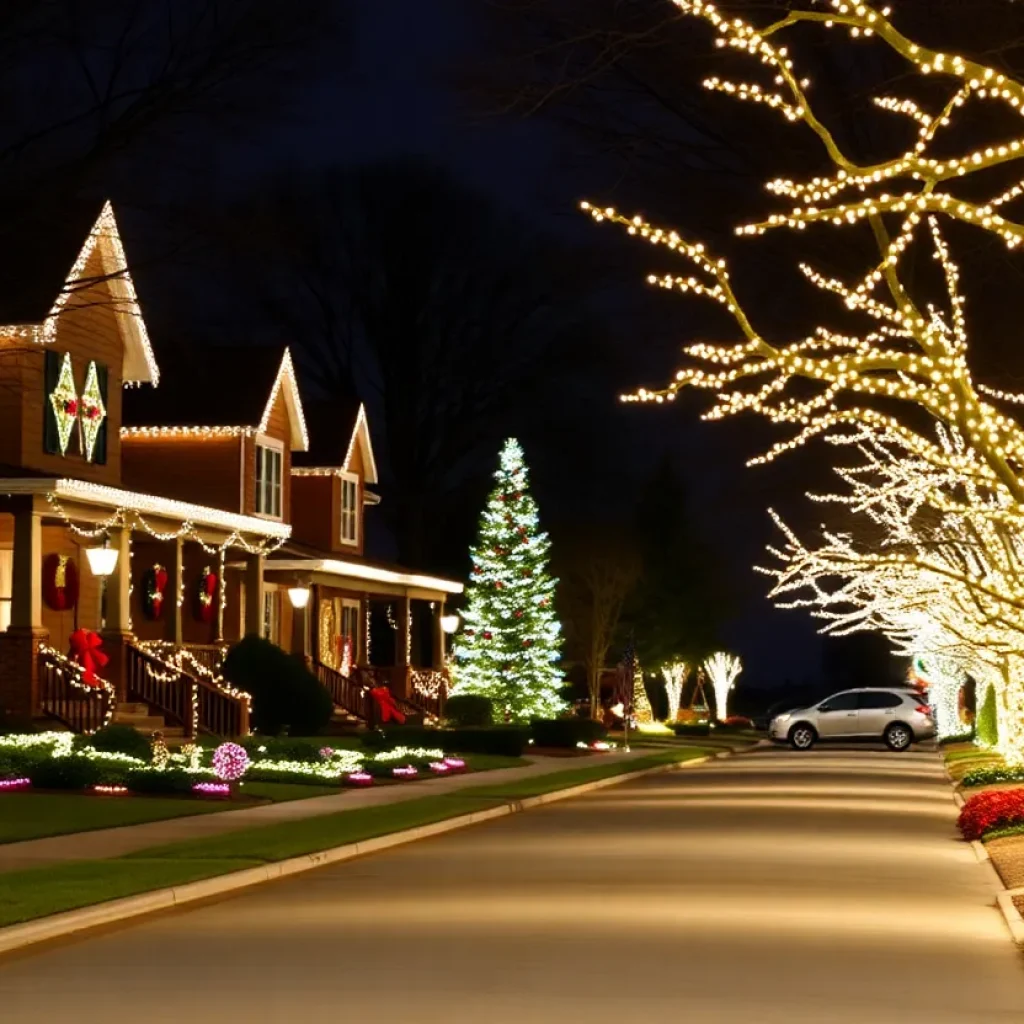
986	811
692	728
501	739
286	696
65	773
566	732
987	726
282	748
256	773
154	780
989	776
119	739
469	710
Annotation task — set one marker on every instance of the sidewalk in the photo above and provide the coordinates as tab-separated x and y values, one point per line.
116	842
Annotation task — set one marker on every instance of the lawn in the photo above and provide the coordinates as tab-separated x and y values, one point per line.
34	815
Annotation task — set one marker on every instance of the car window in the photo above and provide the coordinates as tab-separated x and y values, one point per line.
879	700
840	702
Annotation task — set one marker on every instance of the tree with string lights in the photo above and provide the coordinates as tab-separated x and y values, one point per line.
511	644
723	669
834	384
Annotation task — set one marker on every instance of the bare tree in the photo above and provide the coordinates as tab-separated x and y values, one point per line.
598	571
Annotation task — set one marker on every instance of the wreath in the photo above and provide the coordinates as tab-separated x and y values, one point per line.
154	582
205	593
60	582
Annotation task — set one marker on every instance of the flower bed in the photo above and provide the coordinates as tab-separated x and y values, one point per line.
987	811
989	776
62	761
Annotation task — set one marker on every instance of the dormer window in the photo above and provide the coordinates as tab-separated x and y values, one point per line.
349	508
269	471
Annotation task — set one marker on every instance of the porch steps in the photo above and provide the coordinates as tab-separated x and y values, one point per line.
139	717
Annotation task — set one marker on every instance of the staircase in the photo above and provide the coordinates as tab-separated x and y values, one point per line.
140	717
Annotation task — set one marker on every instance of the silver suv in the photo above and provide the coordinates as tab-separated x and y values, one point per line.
899	717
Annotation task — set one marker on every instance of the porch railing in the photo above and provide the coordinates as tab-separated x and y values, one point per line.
430	690
347	692
393	678
81	707
194	703
210	656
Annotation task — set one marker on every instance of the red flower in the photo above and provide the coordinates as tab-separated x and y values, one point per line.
487	636
519	614
93	412
71	407
987	811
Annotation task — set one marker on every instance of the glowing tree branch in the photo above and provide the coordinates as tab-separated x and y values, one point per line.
722	670
674	675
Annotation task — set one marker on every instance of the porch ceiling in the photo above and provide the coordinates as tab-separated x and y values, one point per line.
82	493
360	575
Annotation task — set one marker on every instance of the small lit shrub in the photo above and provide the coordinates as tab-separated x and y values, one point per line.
509	741
469	710
282	748
986	811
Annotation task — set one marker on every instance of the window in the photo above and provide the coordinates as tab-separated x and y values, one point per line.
840	702
350	629
350	509
269	460
878	700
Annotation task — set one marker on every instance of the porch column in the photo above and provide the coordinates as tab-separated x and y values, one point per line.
116	631
27	568
253	584
177	583
300	629
437	660
19	644
403	674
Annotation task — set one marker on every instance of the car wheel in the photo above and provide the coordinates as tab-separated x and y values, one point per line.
802	736
898	736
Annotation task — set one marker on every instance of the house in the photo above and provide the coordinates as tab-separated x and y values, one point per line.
150	504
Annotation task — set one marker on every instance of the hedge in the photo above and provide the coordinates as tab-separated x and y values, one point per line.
566	732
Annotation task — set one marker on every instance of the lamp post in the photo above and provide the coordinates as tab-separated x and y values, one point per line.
102	562
298	595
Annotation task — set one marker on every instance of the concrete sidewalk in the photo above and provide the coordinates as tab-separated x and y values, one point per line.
115	842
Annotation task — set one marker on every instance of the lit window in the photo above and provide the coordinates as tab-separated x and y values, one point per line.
268	480
350	510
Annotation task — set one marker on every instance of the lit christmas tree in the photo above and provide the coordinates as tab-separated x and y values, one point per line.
510	647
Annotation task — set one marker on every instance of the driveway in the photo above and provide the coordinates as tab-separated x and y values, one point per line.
822	887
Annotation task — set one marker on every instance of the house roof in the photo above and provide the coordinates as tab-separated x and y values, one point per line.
47	250
336	427
219	386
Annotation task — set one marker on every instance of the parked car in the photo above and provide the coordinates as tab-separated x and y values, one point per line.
896	716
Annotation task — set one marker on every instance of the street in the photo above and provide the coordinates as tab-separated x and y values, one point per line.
770	887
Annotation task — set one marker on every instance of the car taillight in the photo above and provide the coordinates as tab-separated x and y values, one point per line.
923	709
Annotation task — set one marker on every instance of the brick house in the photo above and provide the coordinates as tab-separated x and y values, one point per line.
152	506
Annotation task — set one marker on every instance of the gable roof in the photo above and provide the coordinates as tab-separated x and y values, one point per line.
218	387
337	426
47	256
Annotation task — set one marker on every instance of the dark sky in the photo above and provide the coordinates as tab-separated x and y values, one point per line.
394	101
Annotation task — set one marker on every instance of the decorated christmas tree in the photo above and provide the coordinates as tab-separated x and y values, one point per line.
509	648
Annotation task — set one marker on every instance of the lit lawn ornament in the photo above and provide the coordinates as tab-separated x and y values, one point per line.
230	762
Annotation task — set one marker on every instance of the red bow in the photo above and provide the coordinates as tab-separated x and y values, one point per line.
85	649
386	705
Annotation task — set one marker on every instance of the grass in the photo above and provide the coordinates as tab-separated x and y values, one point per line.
278	792
36	815
1003	833
25	895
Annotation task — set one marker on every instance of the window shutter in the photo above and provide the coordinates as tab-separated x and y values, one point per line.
100	451
51	374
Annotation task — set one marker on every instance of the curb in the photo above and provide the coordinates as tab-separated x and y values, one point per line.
70	922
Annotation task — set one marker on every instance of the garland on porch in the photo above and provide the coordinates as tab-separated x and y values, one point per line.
60	582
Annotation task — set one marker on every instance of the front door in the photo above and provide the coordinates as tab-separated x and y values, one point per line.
838	716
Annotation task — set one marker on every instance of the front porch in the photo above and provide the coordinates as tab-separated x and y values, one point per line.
165	586
363	626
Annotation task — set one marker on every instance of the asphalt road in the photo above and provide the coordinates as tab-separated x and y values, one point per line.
824	887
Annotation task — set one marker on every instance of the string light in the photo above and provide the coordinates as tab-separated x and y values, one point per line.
10	785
